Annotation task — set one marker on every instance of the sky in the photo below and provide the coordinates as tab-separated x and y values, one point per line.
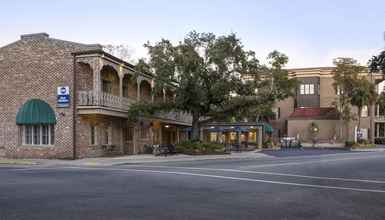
311	33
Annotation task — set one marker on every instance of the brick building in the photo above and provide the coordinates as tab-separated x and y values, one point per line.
36	123
313	103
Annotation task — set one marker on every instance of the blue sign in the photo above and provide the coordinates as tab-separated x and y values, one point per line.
63	97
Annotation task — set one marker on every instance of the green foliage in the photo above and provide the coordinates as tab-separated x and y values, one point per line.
197	147
146	109
381	100
267	143
209	73
362	94
349	144
377	63
346	76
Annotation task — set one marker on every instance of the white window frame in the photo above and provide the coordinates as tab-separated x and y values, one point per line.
307	89
311	89
302	89
51	133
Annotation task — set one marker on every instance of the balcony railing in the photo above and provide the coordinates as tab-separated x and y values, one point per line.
102	99
175	116
92	98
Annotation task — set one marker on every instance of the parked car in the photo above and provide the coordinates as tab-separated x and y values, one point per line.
290	142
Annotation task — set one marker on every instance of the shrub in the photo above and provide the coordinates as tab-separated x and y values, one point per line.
349	143
196	147
379	140
267	144
363	141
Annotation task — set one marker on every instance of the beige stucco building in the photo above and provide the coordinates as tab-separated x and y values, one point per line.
313	104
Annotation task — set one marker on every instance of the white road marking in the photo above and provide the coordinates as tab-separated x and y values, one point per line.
314	161
241	179
221	177
271	174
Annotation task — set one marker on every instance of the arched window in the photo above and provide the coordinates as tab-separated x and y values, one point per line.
36	120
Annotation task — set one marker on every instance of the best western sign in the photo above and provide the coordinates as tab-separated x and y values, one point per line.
63	97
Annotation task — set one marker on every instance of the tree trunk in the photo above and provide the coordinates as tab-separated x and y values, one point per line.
195	126
346	126
359	122
372	112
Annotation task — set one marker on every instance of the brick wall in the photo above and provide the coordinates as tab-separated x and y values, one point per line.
34	67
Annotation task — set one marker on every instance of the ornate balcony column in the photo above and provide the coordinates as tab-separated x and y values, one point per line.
138	81
97	68
121	76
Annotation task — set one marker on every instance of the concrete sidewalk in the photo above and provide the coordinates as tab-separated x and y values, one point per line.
146	158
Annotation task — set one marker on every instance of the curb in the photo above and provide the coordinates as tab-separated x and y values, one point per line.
17	162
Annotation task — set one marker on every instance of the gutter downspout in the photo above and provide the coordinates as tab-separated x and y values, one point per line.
74	155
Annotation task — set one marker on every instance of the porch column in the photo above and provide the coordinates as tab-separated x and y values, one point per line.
135	139
121	76
239	139
138	81
161	134
377	110
122	136
120	86
152	135
177	135
97	82
259	137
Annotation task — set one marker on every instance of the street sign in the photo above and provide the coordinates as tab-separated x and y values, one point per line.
63	97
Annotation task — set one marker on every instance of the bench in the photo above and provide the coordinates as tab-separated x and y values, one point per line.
164	149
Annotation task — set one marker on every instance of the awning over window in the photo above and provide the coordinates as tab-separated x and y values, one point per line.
267	127
35	111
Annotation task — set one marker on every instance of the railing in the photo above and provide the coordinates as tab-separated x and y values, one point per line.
102	99
176	116
92	98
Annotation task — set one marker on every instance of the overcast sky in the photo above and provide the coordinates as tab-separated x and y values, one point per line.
311	32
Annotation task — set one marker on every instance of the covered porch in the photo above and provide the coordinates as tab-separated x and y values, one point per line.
237	135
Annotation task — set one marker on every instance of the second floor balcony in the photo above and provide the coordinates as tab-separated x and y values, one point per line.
103	99
91	102
108	88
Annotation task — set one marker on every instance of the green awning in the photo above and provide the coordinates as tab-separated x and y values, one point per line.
35	111
267	127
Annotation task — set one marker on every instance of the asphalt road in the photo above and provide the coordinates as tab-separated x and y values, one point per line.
296	186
